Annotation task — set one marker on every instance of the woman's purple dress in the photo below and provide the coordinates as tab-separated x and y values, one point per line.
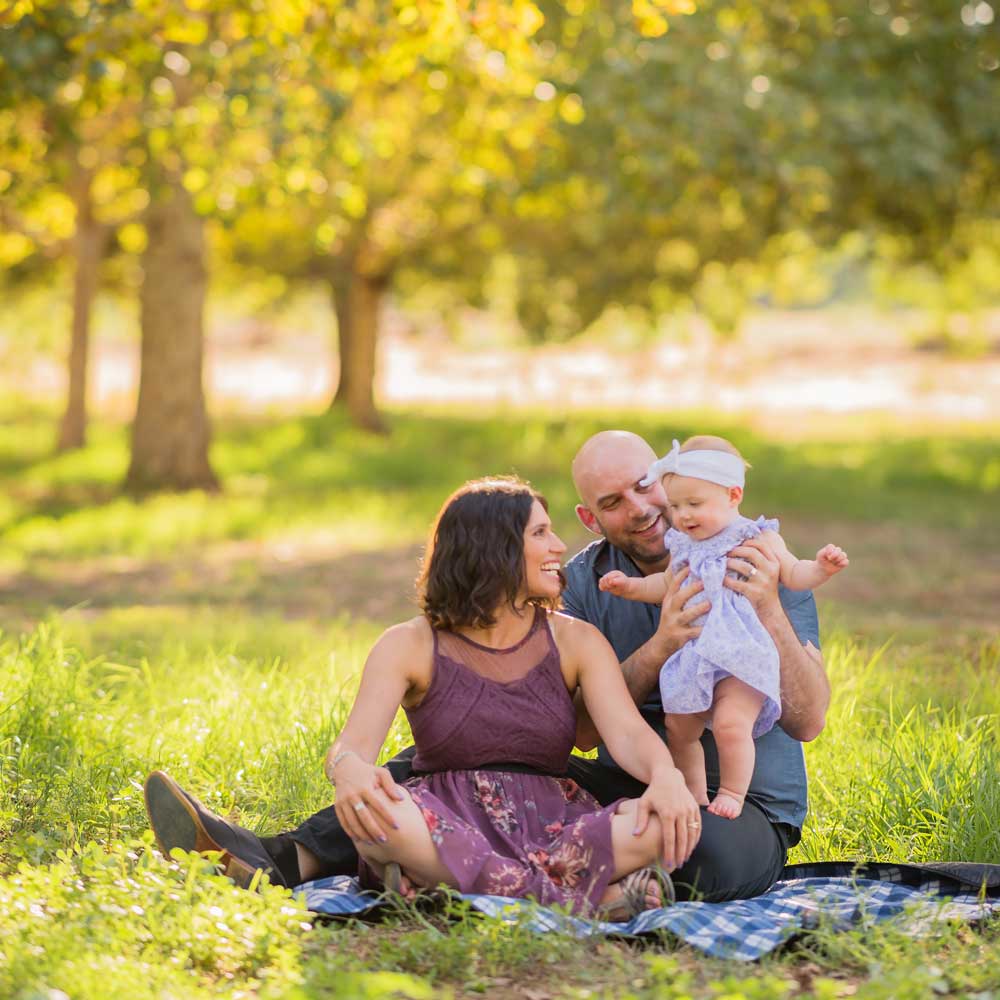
733	643
504	832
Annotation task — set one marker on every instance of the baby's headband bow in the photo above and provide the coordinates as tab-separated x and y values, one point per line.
713	466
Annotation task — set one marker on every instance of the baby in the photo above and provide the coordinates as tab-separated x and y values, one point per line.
728	676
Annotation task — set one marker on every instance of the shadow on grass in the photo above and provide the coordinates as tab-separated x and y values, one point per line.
375	585
918	513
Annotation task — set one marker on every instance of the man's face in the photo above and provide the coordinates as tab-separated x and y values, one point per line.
633	518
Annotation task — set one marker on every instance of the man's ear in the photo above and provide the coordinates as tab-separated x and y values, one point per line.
587	519
735	496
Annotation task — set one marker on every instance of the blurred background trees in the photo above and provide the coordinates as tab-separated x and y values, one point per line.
659	156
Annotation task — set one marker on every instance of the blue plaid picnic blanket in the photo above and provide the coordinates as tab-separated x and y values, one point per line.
840	894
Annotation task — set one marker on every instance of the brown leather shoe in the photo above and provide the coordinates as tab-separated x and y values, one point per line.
180	820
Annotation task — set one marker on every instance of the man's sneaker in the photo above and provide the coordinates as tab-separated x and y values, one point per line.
180	820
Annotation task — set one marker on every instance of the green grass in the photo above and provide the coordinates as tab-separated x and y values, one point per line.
317	473
221	637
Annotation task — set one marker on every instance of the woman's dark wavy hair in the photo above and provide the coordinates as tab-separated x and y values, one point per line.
475	556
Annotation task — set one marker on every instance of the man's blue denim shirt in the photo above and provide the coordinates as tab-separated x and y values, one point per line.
779	783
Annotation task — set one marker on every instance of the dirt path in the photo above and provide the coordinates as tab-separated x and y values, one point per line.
785	365
789	371
896	582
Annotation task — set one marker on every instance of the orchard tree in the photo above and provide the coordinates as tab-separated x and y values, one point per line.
410	123
190	70
171	82
63	187
710	156
413	132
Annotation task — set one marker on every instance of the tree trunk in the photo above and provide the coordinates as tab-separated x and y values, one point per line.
339	290
363	301
89	241
170	435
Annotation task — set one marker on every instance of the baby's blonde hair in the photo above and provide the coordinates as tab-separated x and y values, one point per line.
709	442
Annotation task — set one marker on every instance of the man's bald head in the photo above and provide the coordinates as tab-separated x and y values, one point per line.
607	472
609	457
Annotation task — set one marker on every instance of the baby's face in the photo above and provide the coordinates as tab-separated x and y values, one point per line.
699	508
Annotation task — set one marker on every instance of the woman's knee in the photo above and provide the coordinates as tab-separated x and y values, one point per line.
404	819
626	807
629	847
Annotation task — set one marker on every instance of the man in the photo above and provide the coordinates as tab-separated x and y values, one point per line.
735	858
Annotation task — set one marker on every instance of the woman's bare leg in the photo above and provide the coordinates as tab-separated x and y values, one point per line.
684	742
409	845
631	852
309	866
734	712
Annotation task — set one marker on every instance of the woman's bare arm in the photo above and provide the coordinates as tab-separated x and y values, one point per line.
641	670
633	744
393	667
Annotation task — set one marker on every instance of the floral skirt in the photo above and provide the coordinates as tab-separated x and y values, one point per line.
506	833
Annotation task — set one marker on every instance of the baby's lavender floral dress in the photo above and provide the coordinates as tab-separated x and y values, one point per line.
526	832
733	643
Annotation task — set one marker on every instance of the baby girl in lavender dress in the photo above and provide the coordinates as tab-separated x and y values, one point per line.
727	678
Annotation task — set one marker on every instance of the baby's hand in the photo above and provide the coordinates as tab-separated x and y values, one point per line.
832	559
616	582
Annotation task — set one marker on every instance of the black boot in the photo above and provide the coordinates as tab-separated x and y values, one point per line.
180	820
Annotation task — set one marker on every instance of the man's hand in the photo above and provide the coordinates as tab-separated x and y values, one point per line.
676	621
680	817
759	570
641	670
805	690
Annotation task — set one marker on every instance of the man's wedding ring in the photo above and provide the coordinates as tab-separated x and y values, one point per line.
358	806
694	824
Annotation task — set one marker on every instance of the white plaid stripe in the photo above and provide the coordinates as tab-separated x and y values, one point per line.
742	929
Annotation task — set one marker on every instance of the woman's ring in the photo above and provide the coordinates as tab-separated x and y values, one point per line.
358	806
694	824
753	571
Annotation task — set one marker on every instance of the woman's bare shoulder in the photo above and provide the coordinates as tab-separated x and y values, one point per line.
573	631
412	638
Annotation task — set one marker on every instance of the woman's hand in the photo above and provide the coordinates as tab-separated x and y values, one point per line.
364	796
667	797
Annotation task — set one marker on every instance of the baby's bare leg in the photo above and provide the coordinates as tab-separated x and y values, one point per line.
734	712
684	742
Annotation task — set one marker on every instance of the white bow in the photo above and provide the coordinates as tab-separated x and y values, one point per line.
713	466
663	465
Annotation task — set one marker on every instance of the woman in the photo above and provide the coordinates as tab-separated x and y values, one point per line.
487	676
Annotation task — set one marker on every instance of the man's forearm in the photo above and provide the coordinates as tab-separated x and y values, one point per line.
642	669
805	690
641	672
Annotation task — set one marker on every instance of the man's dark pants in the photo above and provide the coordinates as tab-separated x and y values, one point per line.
734	859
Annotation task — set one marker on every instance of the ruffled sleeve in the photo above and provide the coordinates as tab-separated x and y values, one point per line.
678	545
766	524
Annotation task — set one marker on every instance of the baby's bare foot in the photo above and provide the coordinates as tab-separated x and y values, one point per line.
726	804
